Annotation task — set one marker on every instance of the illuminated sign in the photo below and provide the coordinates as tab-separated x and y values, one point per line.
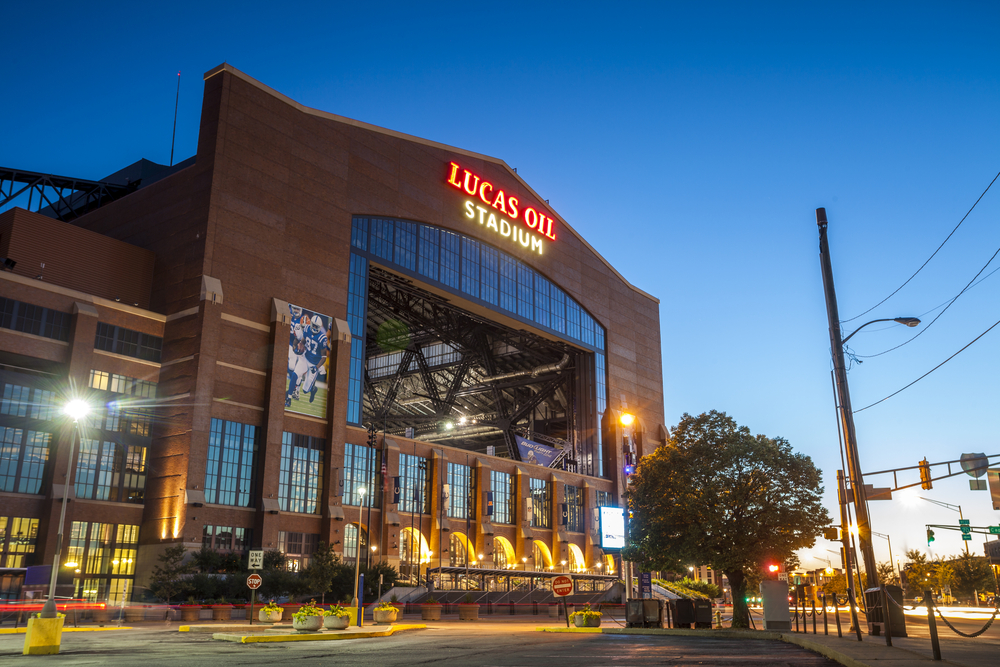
527	227
612	528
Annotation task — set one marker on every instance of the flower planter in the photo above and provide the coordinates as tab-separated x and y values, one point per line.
190	612
222	612
265	616
333	622
584	622
308	623
594	622
384	615
430	611
468	611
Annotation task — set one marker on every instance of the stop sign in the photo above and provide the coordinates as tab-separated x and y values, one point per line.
254	581
562	586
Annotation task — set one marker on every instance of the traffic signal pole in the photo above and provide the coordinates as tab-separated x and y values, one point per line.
846	413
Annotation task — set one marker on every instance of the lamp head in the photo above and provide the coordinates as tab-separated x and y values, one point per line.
362	490
626	419
76	409
908	321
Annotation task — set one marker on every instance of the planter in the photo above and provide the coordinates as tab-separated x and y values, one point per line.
332	622
384	615
102	615
584	622
135	614
265	616
222	612
308	623
594	622
190	612
430	611
553	611
468	612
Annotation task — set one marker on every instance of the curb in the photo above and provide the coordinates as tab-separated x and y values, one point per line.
319	636
21	631
824	650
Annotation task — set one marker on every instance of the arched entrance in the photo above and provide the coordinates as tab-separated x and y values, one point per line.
459	548
541	555
351	541
413	551
503	553
576	561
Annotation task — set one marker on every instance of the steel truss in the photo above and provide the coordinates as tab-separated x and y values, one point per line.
65	198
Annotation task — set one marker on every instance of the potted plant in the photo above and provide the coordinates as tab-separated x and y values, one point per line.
190	611
222	610
309	618
586	618
270	613
337	618
384	612
430	609
468	609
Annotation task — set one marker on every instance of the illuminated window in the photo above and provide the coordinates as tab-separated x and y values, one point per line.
359	472
604	499
299	479
573	496
541	503
351	540
413	481
18	536
502	486
21	401
357	307
104	555
297	548
460	482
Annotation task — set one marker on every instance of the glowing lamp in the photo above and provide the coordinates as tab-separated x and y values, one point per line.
76	409
626	419
772	568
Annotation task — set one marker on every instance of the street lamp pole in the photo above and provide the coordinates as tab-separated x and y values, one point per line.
77	410
357	547
846	412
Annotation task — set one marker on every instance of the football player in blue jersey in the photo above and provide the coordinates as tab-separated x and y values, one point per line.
316	348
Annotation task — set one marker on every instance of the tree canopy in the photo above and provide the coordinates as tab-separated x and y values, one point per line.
716	495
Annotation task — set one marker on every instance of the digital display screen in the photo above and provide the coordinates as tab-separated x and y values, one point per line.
612	528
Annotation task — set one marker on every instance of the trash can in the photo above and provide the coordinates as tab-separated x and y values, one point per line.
634	613
683	613
703	613
652	613
876	614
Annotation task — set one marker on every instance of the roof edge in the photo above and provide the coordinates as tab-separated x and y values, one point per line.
226	67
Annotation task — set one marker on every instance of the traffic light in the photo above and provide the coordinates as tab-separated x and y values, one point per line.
930	536
925	475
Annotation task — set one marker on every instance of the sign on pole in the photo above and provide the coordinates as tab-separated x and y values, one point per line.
254	581
967	537
963	522
562	586
994	530
645	584
257	560
965	530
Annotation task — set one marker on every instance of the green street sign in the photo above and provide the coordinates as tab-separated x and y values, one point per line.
966	537
963	522
966	529
994	530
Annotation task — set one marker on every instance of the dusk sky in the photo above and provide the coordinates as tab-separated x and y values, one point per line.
689	143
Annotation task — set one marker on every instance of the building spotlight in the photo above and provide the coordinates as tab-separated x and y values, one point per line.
626	419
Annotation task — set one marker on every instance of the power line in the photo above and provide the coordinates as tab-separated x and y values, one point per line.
929	258
931	370
936	317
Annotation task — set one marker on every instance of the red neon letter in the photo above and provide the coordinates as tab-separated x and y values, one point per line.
482	191
454	172
530	217
512	207
475	186
498	202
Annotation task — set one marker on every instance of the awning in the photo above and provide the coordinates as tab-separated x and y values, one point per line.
391	518
336	512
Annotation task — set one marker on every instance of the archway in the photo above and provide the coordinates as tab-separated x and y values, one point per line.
542	556
609	564
459	549
576	560
413	551
351	540
503	553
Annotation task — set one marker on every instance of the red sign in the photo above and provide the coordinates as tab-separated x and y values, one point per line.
254	581
562	586
483	192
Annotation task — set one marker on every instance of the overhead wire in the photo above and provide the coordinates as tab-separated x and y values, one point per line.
929	258
936	317
931	370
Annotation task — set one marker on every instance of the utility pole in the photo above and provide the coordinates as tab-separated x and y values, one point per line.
846	413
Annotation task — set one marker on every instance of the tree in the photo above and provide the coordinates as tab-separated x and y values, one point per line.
324	566
167	578
918	573
972	574
886	573
715	494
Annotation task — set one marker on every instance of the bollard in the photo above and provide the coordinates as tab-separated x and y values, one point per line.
935	644
836	615
814	614
796	613
826	623
885	615
718	619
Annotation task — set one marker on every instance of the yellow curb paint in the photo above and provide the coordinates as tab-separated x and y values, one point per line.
21	631
319	636
184	628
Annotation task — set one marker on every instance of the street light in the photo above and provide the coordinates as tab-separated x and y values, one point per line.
846	412
357	547
76	410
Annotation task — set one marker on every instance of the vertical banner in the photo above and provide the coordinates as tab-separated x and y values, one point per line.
395	490
489	503
306	387
445	498
563	514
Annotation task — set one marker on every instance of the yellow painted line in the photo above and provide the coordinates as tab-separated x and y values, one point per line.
184	628
20	631
313	637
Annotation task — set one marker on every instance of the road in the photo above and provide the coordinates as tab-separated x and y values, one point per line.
481	644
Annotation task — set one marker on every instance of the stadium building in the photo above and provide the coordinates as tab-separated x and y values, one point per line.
314	330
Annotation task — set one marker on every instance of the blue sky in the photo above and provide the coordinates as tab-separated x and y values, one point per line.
688	142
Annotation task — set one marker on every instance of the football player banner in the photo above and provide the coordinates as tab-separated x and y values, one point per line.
306	390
